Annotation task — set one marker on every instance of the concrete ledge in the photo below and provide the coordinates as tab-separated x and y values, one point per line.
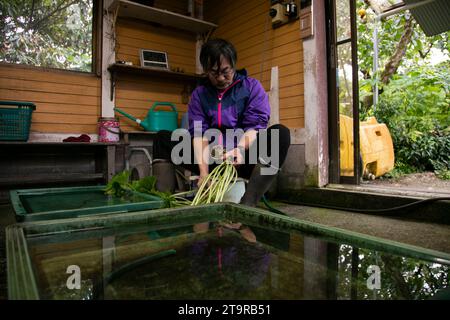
292	173
57	137
433	212
391	190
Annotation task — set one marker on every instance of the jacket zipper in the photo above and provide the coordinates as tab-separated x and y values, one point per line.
219	105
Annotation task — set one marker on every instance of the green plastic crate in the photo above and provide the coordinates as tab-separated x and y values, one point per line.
74	202
15	120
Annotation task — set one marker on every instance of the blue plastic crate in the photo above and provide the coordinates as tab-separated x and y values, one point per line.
15	121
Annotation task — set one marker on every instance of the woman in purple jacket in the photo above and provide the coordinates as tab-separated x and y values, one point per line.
230	100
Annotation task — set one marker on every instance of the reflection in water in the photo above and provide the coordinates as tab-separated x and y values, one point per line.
400	277
219	260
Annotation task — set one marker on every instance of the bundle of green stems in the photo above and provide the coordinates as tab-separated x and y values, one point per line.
216	184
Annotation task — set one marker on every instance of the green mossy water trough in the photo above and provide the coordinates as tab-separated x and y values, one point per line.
62	203
35	251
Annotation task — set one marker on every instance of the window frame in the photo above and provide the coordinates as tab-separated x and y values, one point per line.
96	46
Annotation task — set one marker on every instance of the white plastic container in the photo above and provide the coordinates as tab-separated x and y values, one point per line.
236	192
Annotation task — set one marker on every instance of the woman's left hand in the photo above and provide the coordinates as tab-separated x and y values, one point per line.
235	155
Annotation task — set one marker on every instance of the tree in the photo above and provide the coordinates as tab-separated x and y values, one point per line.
47	33
414	94
402	43
395	59
401	277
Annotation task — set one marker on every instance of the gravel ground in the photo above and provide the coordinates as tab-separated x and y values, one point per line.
427	181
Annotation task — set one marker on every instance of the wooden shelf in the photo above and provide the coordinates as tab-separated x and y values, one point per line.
34	163
60	144
51	178
123	68
128	9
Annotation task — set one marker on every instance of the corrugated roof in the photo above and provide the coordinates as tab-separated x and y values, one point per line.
433	17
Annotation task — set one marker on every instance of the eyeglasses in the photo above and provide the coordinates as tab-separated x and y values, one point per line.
226	73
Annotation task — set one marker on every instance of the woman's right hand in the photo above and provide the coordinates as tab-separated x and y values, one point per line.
204	171
201	178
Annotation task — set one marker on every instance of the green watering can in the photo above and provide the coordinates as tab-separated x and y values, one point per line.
156	120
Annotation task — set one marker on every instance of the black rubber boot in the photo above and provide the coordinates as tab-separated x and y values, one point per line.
257	186
164	171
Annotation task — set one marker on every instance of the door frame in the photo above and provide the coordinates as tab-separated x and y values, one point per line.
333	95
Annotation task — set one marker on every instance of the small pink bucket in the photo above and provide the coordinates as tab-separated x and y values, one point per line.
108	130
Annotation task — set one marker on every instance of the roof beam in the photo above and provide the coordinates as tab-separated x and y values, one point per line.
403	8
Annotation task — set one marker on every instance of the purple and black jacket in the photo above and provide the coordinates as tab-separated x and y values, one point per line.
244	104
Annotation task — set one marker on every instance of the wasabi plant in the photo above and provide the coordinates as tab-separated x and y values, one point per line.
212	190
120	185
216	184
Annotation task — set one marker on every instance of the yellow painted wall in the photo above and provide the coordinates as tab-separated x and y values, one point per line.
135	94
246	23
65	101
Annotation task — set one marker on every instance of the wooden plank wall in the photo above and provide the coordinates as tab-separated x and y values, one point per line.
136	94
177	6
69	102
246	23
66	102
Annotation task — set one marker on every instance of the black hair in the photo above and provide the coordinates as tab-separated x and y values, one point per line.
213	49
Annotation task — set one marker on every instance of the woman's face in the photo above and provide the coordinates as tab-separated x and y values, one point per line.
222	78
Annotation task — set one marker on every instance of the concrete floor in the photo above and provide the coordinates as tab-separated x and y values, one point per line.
431	236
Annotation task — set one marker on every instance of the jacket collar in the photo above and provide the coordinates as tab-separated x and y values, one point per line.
240	74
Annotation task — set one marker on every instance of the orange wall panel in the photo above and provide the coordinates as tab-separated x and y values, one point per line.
136	94
260	47
66	102
70	102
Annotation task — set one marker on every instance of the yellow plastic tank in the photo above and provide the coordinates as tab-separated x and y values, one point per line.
376	147
346	145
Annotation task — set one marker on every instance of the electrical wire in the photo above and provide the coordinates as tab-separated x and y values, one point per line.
385	211
272	209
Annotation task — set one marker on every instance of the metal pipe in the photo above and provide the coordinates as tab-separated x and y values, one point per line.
147	154
375	61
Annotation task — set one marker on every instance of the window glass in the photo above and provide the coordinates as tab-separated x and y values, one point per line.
47	33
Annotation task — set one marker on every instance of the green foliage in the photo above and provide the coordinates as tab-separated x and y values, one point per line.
401	277
415	107
144	185
399	170
120	185
415	103
47	33
418	54
390	31
443	174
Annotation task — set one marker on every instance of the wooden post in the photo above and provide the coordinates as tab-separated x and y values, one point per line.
198	48
110	162
274	97
108	58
